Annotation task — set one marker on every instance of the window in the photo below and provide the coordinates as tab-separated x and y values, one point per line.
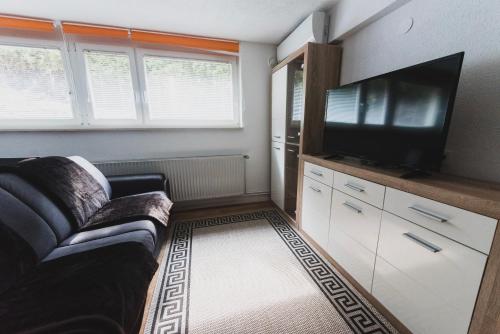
52	85
33	85
109	85
188	92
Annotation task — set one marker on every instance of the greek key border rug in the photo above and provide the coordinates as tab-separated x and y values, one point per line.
169	310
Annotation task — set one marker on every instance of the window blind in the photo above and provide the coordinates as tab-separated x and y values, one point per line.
110	86
33	84
298	95
189	89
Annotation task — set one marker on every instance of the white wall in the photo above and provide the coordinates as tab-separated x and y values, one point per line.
253	139
440	28
348	16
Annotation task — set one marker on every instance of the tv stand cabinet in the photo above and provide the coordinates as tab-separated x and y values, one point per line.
425	251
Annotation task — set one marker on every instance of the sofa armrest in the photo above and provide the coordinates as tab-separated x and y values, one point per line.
125	185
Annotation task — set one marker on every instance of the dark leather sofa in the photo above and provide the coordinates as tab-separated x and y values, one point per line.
54	279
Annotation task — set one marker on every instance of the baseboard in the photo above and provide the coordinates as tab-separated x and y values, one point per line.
222	201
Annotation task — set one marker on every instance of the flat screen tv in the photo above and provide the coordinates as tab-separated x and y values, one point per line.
398	119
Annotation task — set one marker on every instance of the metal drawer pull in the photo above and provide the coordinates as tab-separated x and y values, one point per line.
355	187
289	150
276	148
426	244
353	207
315	189
291	137
428	214
277	136
316	173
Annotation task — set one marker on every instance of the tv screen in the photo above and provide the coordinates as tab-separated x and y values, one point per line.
397	119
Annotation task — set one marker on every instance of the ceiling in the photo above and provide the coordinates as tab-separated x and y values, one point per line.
267	21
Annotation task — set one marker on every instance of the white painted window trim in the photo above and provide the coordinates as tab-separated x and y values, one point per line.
41	124
233	60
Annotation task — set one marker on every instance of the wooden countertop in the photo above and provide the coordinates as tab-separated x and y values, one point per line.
475	196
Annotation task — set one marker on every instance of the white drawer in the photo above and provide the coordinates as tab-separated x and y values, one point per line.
367	191
469	228
429	282
318	173
354	258
316	200
420	310
357	219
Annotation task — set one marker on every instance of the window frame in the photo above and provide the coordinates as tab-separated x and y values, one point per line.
46	124
183	124
72	54
90	122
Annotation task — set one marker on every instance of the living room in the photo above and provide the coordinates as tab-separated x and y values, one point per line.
249	167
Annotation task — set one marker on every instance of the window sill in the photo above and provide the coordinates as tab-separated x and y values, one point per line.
118	128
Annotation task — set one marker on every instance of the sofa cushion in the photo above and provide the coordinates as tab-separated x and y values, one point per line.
154	206
143	225
16	258
77	192
27	224
145	238
110	282
96	173
38	202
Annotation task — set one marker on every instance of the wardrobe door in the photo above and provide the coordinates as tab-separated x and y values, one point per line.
279	104
278	174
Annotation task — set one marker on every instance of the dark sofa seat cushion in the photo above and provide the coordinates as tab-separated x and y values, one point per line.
154	206
89	324
142	237
110	231
111	282
16	258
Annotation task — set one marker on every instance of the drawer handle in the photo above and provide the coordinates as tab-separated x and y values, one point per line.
276	148
353	207
426	244
317	173
315	189
291	137
277	136
290	150
355	187
428	214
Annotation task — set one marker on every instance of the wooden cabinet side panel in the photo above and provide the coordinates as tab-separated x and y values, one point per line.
300	186
321	72
486	316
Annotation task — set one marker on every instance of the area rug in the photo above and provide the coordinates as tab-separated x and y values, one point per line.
253	273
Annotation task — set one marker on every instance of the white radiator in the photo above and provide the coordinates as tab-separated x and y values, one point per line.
190	178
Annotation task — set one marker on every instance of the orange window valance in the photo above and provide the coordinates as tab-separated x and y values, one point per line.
14	22
141	36
184	41
94	30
